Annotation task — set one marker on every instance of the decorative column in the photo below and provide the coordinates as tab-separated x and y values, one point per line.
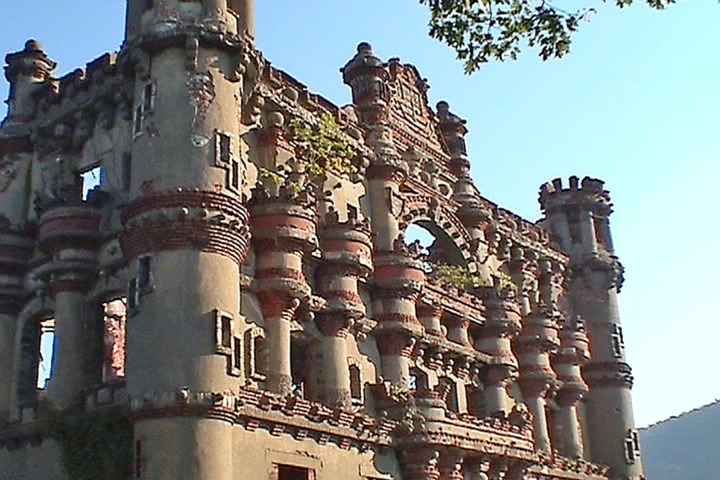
367	76
429	315
398	280
538	337
495	336
69	234
283	229
573	353
457	329
16	249
347	255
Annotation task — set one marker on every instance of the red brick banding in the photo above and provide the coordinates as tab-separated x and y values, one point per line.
158	235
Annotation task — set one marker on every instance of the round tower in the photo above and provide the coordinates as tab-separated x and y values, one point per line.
578	216
186	231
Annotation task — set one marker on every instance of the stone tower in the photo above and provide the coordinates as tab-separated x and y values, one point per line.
579	217
186	227
205	274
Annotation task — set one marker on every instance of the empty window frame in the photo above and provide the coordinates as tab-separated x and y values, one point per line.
91	179
143	108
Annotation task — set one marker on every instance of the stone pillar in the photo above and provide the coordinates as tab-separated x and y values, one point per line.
429	315
573	353
458	330
399	277
70	234
347	254
335	360
15	250
539	336
501	325
283	228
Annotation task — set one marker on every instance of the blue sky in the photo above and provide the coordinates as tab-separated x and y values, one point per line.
636	103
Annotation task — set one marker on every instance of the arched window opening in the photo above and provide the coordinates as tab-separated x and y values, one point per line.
114	333
445	261
356	386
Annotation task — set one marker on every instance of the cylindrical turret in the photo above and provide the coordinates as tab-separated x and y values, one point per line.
578	216
186	234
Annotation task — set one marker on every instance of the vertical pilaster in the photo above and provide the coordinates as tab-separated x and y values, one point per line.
70	234
539	336
398	280
573	353
495	336
347	252
284	229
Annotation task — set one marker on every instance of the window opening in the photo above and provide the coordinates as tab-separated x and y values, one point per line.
226	331
355	383
237	353
289	472
126	171
114	331
144	278
260	355
91	179
46	353
618	342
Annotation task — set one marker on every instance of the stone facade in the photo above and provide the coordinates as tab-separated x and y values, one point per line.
236	287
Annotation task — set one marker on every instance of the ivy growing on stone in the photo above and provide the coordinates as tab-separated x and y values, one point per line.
94	445
323	147
453	275
411	418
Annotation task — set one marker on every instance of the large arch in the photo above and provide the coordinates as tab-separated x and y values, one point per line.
443	224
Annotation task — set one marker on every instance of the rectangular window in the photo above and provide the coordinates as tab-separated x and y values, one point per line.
618	342
289	472
223	148
234	175
133	301
143	108
237	354
223	333
144	277
126	171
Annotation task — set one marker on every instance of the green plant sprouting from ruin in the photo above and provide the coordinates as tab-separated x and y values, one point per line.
505	282
94	445
412	419
324	147
453	275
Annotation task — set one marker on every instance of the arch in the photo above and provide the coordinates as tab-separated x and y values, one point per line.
443	224
27	351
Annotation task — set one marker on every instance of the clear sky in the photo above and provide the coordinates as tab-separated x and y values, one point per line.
636	103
